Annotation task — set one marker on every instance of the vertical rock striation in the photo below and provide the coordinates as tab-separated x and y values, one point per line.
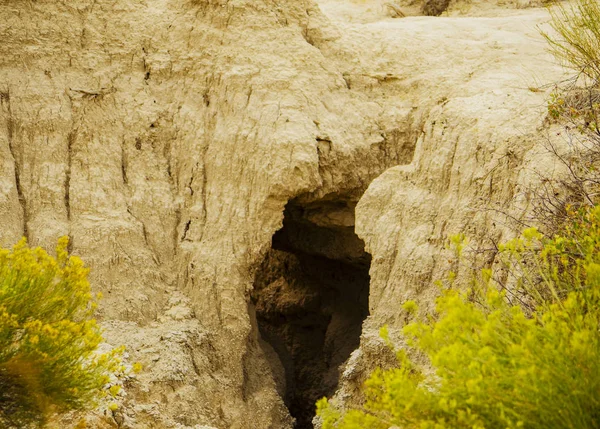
166	138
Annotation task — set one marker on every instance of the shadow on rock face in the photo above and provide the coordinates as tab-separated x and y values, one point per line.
311	297
434	7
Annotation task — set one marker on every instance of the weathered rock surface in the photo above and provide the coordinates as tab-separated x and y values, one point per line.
481	149
166	138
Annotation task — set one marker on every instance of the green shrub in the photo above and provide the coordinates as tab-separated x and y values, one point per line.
575	104
574	41
577	36
48	339
521	348
521	357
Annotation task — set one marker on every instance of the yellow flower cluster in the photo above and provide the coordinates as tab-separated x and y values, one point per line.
503	358
46	327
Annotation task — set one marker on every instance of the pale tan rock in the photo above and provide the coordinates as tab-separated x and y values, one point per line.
472	83
165	138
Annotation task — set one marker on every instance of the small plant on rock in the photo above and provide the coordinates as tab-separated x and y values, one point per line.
576	36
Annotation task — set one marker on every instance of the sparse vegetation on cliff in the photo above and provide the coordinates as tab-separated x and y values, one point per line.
48	338
577	36
575	104
521	347
574	41
522	357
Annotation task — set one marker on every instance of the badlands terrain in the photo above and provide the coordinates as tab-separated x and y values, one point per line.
257	185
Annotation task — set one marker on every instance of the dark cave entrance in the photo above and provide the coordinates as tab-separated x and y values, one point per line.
311	296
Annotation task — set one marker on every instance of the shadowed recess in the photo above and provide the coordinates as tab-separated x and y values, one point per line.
311	297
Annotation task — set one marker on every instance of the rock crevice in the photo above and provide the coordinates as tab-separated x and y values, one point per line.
183	144
311	297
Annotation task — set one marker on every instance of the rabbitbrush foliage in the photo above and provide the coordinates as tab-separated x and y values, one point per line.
521	348
525	359
48	339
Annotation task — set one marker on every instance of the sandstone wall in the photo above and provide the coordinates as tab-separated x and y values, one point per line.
166	137
477	88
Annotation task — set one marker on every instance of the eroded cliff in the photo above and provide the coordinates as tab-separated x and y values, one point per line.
167	138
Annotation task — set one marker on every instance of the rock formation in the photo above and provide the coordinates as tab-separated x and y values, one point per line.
167	139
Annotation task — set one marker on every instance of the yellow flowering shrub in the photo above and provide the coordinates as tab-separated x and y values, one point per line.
527	356
48	338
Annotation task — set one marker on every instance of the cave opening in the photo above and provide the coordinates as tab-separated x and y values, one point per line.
311	296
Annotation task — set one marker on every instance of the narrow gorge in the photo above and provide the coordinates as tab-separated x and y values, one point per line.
311	296
258	185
